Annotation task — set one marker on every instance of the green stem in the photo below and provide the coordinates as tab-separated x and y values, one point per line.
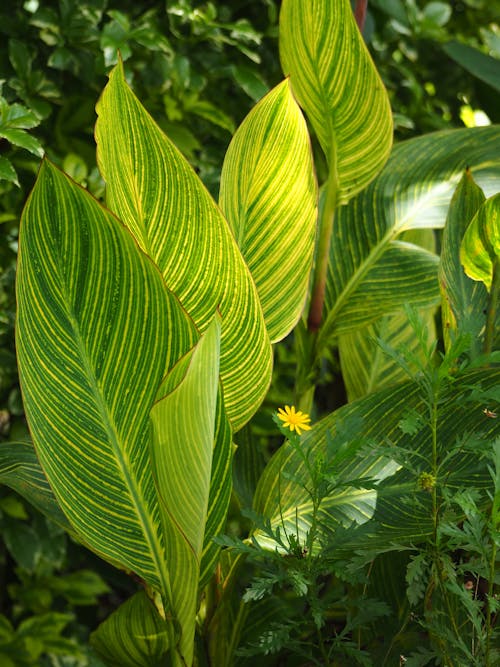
325	223
491	315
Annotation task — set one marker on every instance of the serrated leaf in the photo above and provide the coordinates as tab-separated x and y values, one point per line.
268	195
158	196
364	364
336	83
22	139
7	171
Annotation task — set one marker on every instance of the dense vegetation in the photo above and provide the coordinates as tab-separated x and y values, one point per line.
356	595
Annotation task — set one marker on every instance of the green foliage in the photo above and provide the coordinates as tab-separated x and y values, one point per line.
148	320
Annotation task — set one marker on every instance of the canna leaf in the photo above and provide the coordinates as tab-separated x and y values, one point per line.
337	85
268	195
412	192
184	422
132	636
151	187
480	250
463	301
96	330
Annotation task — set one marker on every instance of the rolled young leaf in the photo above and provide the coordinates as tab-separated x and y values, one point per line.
96	329
158	196
181	452
336	83
268	195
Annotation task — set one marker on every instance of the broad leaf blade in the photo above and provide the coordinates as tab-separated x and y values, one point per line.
413	191
95	330
268	195
133	636
480	251
464	301
336	83
151	187
182	452
484	67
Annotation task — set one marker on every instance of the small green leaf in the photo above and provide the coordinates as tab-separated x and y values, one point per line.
7	171
480	250
23	140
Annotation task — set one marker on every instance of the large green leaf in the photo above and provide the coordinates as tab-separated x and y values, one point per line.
154	191
268	195
133	636
184	421
480	251
96	330
413	191
398	510
336	83
464	301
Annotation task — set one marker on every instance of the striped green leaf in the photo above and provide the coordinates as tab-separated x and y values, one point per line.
480	250
20	470
413	191
154	191
463	301
96	330
268	195
365	366
133	636
336	83
184	421
395	510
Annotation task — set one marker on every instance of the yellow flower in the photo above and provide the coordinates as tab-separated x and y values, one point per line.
295	421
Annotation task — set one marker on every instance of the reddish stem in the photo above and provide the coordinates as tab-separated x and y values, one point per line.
360	13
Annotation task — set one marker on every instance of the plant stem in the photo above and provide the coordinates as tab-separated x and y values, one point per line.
328	204
492	308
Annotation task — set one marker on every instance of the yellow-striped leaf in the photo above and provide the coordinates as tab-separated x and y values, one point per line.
336	83
132	636
413	191
154	191
96	330
20	470
480	251
268	195
463	301
182	454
